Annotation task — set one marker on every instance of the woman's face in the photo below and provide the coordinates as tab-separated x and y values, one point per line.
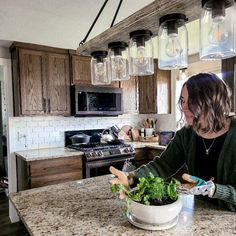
184	101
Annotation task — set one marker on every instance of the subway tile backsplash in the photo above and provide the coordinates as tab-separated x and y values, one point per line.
48	131
45	132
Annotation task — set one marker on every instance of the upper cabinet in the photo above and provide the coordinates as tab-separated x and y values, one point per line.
81	70
41	80
155	92
129	88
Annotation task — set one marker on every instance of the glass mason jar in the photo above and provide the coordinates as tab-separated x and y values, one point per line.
217	30
118	67
99	68
141	60
172	42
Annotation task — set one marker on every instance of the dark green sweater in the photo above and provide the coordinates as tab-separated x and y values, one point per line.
182	149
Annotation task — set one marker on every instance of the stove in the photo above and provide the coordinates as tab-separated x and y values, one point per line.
99	151
98	157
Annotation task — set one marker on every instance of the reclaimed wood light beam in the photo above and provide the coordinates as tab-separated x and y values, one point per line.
146	18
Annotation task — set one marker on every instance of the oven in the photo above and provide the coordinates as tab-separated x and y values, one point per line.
98	157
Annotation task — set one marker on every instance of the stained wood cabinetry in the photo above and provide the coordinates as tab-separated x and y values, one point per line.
155	92
41	80
40	173
81	70
129	87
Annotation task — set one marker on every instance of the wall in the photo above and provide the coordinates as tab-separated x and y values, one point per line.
48	131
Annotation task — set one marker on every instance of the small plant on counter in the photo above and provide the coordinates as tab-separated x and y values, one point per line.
151	190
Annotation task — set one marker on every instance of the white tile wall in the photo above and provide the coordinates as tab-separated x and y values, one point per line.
44	132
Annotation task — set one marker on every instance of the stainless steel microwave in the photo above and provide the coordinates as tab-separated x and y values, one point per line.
96	101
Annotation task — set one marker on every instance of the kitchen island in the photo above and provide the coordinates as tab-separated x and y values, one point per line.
86	207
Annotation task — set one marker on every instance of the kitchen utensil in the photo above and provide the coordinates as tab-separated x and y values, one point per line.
106	135
149	132
80	138
115	142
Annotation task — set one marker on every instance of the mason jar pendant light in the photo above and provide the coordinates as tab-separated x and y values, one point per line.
99	68
217	29
118	67
141	60
172	42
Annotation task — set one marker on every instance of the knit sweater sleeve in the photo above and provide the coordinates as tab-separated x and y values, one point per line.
168	163
227	195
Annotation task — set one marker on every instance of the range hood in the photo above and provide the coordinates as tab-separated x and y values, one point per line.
146	18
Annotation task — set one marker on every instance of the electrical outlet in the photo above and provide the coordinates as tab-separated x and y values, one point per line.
20	136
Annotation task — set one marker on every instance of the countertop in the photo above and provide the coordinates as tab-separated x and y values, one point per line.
87	207
47	153
50	153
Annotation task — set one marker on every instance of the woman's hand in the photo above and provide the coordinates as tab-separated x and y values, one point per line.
197	186
121	178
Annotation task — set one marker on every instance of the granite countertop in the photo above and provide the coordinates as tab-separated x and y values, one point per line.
87	207
47	153
138	144
50	153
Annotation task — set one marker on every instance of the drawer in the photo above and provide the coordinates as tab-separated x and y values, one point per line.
36	182
55	166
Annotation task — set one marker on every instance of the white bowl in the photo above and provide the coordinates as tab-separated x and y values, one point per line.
155	214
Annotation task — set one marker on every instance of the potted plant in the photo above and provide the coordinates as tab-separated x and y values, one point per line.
154	204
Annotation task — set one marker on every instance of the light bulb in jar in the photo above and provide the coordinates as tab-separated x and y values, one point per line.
141	59
118	64
173	47
99	69
218	33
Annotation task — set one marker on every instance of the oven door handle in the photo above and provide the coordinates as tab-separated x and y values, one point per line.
107	162
110	157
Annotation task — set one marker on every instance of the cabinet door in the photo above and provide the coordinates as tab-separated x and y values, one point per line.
58	84
163	80
32	79
129	88
81	72
154	92
147	87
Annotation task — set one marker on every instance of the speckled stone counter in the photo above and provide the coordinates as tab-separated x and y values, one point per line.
147	144
87	207
47	153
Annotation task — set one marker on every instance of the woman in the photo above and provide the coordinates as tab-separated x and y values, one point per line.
207	144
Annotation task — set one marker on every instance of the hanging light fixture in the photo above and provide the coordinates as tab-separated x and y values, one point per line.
172	42
118	68
99	68
217	29
183	74
141	60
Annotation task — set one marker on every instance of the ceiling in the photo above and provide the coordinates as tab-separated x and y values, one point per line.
64	23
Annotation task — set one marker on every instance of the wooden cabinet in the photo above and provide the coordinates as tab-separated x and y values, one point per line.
129	88
40	173
155	92
81	70
41	80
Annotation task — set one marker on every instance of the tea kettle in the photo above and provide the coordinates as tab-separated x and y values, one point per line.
106	135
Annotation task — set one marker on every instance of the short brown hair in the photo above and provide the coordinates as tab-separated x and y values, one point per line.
208	90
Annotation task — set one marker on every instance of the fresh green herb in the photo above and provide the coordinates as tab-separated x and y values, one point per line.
151	189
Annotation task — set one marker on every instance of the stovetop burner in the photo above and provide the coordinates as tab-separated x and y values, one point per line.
96	146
